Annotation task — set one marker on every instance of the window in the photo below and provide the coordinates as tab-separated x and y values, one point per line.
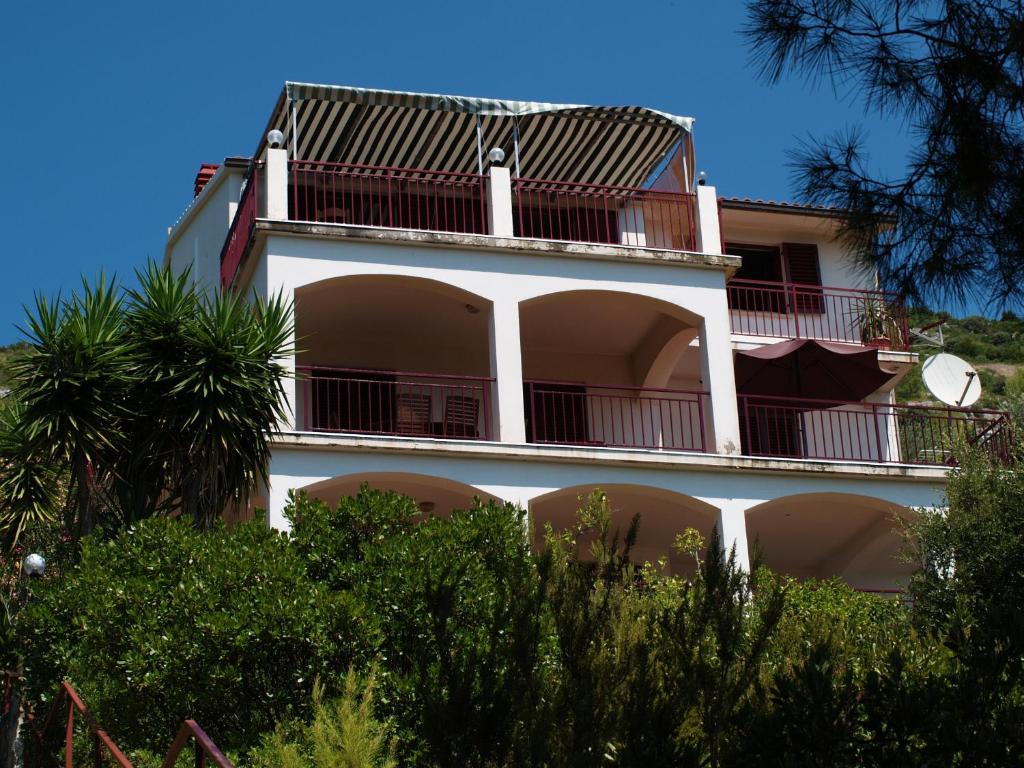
795	263
762	263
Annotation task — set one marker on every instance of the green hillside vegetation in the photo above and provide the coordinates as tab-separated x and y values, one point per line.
994	347
6	355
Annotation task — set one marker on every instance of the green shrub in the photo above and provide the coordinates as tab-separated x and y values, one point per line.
163	623
451	609
344	733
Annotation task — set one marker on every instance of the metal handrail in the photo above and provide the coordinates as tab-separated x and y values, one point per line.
204	745
668	194
782	284
389	372
385	168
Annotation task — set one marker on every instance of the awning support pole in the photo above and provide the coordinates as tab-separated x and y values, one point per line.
515	142
479	147
685	139
295	133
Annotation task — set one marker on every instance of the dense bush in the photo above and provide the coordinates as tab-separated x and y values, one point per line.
164	622
446	642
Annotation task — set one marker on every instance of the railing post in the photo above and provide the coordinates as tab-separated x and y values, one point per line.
276	180
69	737
878	432
499	202
796	311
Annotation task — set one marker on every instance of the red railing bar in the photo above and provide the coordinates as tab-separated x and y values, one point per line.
769	400
781	285
204	747
627	387
417	374
386	169
558	188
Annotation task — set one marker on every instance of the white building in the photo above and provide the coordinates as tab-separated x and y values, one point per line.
571	312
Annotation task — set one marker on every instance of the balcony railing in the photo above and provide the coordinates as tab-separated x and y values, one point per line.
626	417
240	232
374	196
796	311
849	431
589	213
393	403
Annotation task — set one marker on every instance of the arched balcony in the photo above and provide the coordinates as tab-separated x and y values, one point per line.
391	355
603	368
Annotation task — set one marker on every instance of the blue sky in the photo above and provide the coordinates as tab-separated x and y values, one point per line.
111	107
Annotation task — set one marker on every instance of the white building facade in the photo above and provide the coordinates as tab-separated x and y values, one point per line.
568	313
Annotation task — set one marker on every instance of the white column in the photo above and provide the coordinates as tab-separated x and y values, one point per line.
499	202
719	378
276	173
277	500
709	235
508	420
732	530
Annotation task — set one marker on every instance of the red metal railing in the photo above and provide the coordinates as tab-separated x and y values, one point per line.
858	431
394	403
590	213
240	232
104	750
797	311
377	196
627	417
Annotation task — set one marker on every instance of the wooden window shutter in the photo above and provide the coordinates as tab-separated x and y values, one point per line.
802	267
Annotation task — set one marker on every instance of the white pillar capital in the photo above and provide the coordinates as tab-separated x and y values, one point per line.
499	202
709	234
276	184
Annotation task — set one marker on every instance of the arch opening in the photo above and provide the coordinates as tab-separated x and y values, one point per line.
824	535
612	368
663	515
389	354
435	495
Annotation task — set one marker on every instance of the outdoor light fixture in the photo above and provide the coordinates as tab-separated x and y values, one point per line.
34	564
702	178
496	156
275	139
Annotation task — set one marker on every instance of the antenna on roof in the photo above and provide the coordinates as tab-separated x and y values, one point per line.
935	341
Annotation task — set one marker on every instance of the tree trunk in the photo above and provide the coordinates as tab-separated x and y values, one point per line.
83	493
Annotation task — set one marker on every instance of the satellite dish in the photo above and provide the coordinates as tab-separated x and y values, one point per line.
951	380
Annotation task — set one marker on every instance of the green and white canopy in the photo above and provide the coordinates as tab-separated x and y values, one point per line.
618	146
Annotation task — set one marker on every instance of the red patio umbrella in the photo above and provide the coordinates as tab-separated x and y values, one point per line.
812	369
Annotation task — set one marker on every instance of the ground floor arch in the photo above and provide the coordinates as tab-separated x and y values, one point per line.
823	535
436	495
663	515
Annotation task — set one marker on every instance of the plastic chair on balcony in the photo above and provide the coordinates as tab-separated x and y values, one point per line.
460	416
412	413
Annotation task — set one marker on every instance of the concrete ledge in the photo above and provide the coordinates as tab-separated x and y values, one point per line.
604	456
727	264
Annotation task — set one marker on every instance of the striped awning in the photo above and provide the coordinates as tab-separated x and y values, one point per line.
617	146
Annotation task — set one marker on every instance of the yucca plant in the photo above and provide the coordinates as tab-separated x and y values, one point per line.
156	400
73	384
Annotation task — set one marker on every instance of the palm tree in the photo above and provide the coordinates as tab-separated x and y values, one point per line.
72	385
159	402
208	379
